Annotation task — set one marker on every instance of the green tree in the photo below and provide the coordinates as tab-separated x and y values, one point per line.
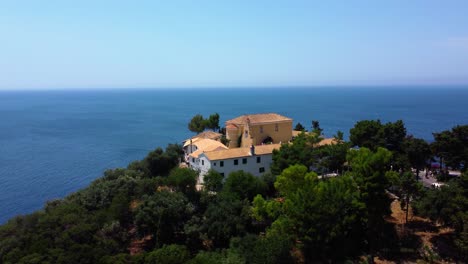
437	204
224	140
183	179
293	178
256	250
373	134
140	167
332	228
197	124
243	185
33	258
461	241
452	146
212	257
394	135
120	208
367	134
299	127
101	192
213	122
224	218
370	172
169	254
410	189
418	152
269	180
272	249
316	127
163	215
121	258
213	181
301	151
160	163
339	136
448	205
332	157
175	153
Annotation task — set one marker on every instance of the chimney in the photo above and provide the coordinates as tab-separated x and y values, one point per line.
252	150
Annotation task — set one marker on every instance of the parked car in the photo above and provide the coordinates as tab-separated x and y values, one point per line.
437	184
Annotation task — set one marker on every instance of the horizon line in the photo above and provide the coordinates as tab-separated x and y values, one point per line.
240	87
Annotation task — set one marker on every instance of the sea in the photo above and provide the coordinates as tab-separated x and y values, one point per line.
55	142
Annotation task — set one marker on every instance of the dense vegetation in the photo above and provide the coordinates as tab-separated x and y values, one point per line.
151	212
198	124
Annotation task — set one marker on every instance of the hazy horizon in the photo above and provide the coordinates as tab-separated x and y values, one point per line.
291	87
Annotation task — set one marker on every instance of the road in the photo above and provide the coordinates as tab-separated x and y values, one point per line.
427	182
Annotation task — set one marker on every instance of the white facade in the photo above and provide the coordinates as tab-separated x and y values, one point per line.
200	164
257	165
196	164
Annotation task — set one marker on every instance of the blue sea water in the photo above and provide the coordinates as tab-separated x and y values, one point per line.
53	143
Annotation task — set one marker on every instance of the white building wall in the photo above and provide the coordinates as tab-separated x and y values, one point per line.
200	164
193	163
204	166
189	149
228	165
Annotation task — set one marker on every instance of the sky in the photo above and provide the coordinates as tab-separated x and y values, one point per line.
61	44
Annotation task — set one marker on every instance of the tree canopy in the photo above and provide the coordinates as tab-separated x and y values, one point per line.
452	146
151	212
373	134
299	127
197	124
334	221
213	122
243	185
418	152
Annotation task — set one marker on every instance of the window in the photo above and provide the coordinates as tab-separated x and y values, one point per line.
193	159
236	162
259	159
221	163
244	161
222	174
261	170
261	129
202	162
214	164
276	127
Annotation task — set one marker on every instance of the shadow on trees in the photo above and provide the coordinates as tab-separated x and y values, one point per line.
421	226
395	247
445	247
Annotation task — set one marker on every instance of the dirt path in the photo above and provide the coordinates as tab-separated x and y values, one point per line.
436	242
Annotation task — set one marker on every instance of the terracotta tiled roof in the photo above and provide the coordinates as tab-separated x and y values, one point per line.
231	126
197	153
204	135
241	152
266	149
327	141
296	133
209	135
205	144
188	141
228	153
258	119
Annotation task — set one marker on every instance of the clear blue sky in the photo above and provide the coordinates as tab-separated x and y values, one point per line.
103	44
